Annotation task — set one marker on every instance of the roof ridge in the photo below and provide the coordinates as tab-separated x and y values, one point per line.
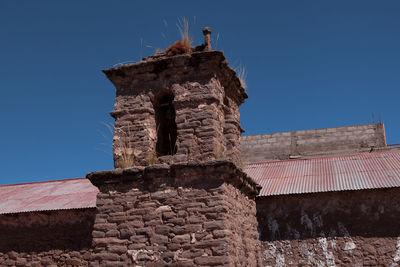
324	156
313	129
42	182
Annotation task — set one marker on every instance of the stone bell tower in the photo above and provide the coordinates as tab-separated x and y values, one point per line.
176	109
176	197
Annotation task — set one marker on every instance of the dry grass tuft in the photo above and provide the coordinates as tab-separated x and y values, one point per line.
123	149
152	158
106	146
241	73
126	157
183	26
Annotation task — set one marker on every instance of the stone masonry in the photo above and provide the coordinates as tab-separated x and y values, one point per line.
338	140
185	214
352	228
185	202
47	238
175	109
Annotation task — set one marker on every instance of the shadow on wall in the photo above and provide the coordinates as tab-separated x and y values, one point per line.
47	230
364	213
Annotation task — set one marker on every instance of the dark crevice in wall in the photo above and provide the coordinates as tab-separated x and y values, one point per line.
166	125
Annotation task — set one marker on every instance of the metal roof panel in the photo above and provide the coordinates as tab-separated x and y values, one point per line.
75	193
332	173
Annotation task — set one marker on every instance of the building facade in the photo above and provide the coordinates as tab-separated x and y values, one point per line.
183	194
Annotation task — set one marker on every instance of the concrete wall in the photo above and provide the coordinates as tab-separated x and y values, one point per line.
353	228
49	238
279	146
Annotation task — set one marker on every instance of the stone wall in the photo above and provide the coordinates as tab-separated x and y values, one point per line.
48	238
280	146
201	95
245	248
353	228
179	215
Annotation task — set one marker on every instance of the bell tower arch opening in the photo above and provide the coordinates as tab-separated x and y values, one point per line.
165	124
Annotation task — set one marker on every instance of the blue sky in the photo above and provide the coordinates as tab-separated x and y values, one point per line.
310	64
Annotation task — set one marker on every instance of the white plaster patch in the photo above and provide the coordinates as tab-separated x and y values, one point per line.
270	252
310	257
275	253
349	245
396	257
280	260
329	257
333	244
306	252
287	245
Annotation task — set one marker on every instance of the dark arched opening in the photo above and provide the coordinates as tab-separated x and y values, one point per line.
166	126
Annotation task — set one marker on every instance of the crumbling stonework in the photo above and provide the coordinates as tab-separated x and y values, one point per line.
179	215
176	109
49	238
358	228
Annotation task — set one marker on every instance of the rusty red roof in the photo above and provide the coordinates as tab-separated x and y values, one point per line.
75	193
323	174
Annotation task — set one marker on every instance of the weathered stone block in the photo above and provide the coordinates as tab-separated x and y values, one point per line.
213	225
73	262
181	239
106	256
159	240
211	260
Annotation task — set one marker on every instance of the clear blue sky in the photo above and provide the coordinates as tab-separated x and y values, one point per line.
310	64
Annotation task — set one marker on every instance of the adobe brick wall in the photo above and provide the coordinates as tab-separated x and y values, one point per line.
180	215
206	96
48	238
354	228
279	146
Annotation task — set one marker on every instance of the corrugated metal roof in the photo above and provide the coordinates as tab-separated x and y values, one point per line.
334	173
53	195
